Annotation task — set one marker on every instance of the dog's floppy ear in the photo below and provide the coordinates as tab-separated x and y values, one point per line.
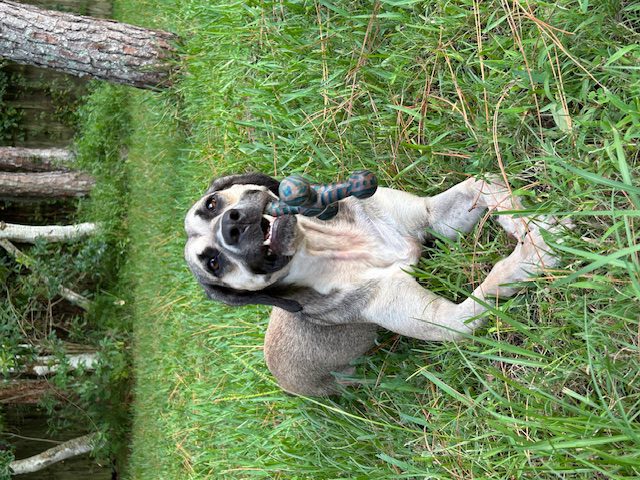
236	298
244	179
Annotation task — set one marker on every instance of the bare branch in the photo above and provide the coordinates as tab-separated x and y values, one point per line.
49	233
34	159
46	365
72	448
45	184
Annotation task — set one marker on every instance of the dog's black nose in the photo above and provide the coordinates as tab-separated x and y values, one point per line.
234	226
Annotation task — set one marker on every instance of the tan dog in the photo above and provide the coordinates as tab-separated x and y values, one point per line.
333	283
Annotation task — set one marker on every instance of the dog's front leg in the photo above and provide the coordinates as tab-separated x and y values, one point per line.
403	306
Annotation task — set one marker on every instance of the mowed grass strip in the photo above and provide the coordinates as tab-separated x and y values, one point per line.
423	93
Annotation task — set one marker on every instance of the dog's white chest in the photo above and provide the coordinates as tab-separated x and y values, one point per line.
350	250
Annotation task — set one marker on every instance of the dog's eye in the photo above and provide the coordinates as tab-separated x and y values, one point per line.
211	202
214	263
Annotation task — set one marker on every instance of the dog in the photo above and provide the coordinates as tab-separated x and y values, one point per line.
334	283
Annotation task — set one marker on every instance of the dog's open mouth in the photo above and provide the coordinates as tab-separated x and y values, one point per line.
277	245
277	235
265	225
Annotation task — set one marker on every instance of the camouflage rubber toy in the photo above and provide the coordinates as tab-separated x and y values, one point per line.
299	196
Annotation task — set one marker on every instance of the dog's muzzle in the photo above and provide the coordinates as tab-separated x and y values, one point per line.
265	243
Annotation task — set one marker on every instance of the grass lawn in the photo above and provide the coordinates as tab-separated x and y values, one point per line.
424	94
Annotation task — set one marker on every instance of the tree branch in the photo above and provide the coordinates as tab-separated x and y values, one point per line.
72	448
45	184
49	233
34	159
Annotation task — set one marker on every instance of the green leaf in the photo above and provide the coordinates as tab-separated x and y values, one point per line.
561	444
594	177
446	388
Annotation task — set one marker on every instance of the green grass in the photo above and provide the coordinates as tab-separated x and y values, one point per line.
550	389
100	147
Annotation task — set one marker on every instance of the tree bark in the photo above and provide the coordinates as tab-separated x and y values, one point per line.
23	391
104	49
45	184
50	233
72	448
14	159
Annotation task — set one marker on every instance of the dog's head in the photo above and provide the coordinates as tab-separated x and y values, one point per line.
237	253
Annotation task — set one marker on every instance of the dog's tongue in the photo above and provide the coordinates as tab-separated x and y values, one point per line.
276	237
282	235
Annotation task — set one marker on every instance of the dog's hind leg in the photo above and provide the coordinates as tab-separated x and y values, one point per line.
303	356
460	208
407	308
456	210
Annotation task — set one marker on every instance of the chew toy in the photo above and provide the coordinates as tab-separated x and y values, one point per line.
299	196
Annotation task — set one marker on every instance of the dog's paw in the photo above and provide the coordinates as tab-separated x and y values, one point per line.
535	255
531	257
